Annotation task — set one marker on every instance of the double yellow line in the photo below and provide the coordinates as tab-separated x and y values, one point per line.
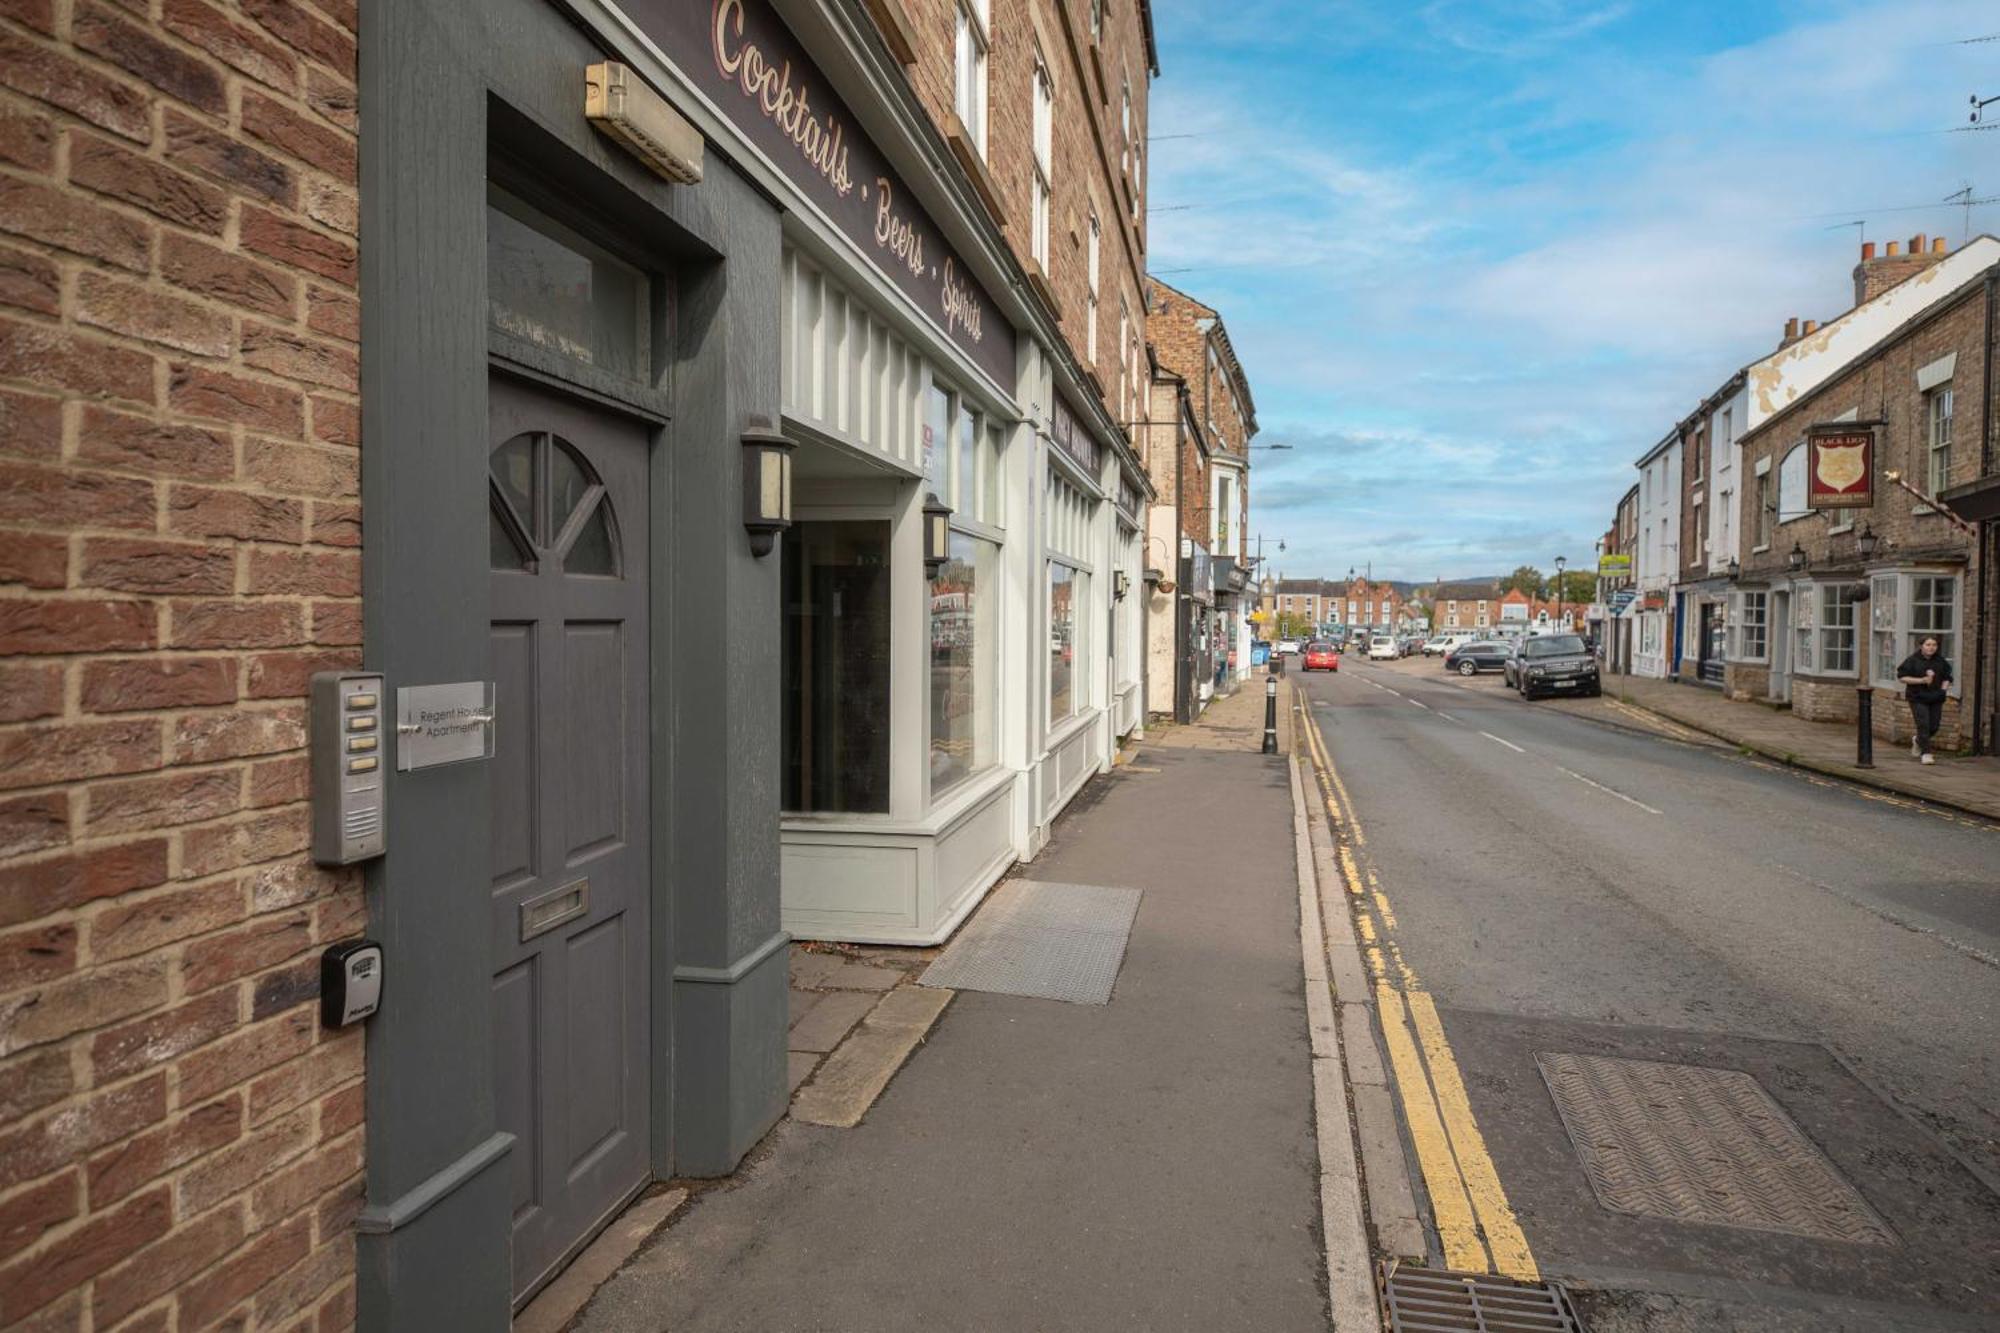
1476	1225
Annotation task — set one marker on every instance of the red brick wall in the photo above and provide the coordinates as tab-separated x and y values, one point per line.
179	533
1087	148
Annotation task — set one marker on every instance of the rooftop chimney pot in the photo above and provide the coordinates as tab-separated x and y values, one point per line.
1917	245
1937	245
1893	248
1811	327
1791	328
1867	250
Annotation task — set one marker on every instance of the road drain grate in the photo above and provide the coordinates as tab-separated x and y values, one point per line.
1431	1300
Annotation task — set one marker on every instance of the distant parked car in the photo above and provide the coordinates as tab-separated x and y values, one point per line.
1320	656
1469	659
1382	648
1437	643
1554	664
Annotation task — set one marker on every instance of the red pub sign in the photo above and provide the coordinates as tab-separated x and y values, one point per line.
1840	465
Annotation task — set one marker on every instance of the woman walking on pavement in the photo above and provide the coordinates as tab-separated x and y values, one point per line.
1925	673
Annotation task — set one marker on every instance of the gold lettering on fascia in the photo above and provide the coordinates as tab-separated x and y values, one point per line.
895	235
822	142
961	304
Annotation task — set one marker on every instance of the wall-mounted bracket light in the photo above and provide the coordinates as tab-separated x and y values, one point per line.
937	535
1796	561
1867	542
767	484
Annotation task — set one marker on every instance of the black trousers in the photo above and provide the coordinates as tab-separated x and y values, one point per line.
1928	718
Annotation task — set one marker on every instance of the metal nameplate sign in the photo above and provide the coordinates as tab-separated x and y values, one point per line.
443	724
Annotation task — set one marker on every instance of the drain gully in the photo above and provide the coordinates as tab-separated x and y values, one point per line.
1433	1300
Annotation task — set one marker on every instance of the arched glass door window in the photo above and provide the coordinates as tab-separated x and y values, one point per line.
548	509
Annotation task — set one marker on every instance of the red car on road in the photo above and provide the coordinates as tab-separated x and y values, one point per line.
1320	656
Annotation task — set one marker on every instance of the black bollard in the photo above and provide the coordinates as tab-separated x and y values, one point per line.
1270	715
1864	736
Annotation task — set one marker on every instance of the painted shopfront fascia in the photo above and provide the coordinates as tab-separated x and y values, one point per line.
883	298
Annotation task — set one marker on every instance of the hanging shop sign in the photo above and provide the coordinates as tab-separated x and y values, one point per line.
1840	465
746	60
1614	566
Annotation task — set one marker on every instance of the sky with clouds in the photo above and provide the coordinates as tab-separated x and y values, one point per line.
1478	255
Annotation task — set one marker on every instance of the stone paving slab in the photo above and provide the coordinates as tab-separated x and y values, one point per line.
832	971
1234	722
849	1080
821	1029
557	1304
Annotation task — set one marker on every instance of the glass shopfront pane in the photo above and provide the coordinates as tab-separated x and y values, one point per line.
549	286
835	690
937	442
964	634
966	469
1063	645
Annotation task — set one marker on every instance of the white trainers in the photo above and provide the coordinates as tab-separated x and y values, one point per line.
1926	759
1916	749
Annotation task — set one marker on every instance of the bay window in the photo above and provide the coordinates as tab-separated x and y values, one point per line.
1905	608
964	618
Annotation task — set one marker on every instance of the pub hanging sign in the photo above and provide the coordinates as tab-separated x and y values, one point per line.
1840	464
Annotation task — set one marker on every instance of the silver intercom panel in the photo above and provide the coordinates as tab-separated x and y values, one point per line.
349	744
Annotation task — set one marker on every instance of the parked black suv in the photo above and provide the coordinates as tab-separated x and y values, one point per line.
1553	664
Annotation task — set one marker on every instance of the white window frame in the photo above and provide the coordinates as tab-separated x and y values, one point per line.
1828	632
969	61
1742	622
1093	250
1762	501
1044	163
1937	439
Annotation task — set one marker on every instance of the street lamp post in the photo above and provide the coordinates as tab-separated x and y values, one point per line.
1560	562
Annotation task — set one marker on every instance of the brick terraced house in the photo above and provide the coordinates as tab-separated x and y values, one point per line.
1830	600
676	325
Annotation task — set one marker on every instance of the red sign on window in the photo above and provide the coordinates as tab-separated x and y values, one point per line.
1840	466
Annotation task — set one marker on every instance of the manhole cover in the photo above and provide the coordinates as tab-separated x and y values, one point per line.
1691	1144
1429	1300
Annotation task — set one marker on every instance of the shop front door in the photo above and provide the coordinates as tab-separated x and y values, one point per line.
570	878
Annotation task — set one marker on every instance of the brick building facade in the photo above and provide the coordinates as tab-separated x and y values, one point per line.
179	524
1800	628
1457	607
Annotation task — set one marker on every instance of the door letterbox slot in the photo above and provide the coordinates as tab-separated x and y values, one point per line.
545	911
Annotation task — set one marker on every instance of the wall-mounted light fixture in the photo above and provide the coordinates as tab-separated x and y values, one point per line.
1867	542
1735	567
1121	583
767	484
1796	561
937	535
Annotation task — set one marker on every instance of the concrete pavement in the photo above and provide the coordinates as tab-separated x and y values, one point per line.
1965	783
1148	1164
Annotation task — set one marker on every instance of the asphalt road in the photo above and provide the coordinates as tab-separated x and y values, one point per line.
1565	884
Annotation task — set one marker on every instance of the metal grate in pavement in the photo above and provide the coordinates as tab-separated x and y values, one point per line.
1693	1144
1432	1300
1048	941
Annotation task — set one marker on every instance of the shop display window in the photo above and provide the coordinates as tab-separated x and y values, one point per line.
835	687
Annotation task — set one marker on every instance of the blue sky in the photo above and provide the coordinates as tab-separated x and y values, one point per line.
1478	255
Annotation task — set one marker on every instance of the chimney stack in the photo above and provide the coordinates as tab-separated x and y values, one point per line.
1876	274
1811	327
1791	331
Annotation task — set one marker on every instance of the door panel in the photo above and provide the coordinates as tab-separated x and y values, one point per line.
570	887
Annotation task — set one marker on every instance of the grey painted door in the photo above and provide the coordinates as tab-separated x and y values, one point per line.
568	913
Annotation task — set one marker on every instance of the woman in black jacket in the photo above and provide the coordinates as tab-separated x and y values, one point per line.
1924	674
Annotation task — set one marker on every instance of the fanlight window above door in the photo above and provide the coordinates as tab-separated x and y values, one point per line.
548	509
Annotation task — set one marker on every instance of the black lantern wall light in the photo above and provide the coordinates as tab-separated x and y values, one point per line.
767	484
937	535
